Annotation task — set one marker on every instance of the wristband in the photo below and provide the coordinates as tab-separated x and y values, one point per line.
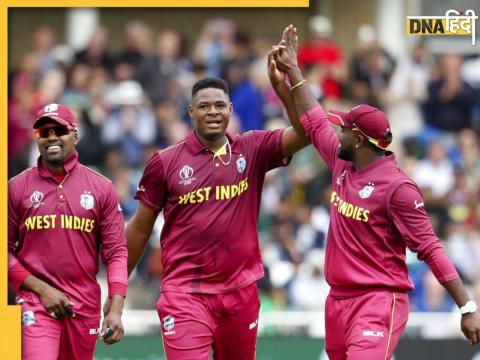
298	84
469	308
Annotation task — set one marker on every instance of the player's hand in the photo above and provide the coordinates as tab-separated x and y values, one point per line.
112	327
106	307
56	303
286	56
276	76
471	327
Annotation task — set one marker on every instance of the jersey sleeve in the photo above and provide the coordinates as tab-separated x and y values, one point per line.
114	244
16	271
319	130
151	189
270	148
411	220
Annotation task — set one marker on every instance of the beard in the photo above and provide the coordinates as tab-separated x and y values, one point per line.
346	154
54	160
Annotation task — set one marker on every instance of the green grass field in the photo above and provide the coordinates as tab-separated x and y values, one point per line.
150	348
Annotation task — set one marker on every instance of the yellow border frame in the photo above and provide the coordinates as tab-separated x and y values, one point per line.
158	3
10	315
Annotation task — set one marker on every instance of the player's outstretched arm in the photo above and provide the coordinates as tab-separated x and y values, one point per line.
470	323
286	60
411	220
139	229
293	139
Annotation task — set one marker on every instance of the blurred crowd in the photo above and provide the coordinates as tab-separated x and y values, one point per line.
132	102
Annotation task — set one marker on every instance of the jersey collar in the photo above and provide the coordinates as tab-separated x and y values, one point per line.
69	165
195	145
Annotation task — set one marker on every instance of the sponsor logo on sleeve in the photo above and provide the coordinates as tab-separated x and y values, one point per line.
186	175
241	164
367	190
36	199
168	325
418	204
28	318
87	201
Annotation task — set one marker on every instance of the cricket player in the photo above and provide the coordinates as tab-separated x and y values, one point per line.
376	213
209	188
61	215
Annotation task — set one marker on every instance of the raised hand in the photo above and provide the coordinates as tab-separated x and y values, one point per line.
287	49
276	76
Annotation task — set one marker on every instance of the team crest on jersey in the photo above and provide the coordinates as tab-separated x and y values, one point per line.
367	190
28	318
241	164
87	201
186	175
36	199
168	325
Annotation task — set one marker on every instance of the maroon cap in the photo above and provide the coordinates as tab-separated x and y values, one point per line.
57	112
371	122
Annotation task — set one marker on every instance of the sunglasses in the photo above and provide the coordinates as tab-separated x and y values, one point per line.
380	143
44	132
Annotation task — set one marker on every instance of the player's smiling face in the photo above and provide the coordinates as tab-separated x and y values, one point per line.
210	110
347	140
56	148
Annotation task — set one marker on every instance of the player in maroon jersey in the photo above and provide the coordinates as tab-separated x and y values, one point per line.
209	188
61	216
376	213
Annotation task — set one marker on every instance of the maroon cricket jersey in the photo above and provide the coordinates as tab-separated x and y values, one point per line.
56	232
210	204
375	213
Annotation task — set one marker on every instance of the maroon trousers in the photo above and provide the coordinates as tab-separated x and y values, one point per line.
195	324
365	327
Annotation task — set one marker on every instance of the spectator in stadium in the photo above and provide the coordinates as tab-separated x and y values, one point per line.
435	188
372	67
324	53
130	126
450	102
157	71
406	91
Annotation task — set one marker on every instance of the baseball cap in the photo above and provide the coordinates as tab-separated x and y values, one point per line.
57	112
369	120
